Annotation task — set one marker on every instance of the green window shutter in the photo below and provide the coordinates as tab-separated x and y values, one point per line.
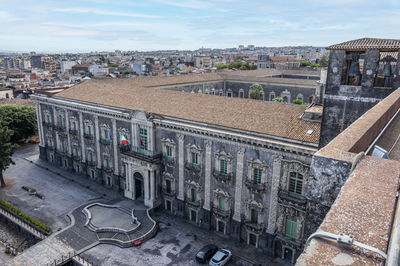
194	159
89	130
169	152
105	134
107	163
291	228
91	157
168	183
194	196
143	138
254	216
74	125
60	120
295	184
223	167
222	204
256	176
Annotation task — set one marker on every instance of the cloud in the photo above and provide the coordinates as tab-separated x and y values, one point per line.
194	4
104	12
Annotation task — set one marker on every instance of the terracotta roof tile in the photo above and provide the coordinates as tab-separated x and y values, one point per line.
367	43
275	119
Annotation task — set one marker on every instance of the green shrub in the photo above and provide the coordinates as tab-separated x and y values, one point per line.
25	216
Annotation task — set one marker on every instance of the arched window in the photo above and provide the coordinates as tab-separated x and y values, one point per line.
7	96
285	99
295	184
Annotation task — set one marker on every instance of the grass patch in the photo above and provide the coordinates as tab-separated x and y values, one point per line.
19	213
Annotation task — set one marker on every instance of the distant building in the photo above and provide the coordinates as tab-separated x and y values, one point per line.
278	62
98	71
67	66
203	61
80	69
6	93
36	61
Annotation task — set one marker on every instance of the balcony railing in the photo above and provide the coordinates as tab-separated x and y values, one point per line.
105	141
254	187
223	177
73	131
192	167
59	128
50	148
108	169
285	197
76	158
88	136
255	227
168	160
91	163
196	203
144	155
61	151
221	213
48	125
168	193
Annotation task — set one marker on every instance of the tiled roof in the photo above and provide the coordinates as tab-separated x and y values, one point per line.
274	119
367	43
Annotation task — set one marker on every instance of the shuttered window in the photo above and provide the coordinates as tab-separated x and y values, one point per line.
295	184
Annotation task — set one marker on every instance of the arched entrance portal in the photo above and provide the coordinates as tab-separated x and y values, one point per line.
139	187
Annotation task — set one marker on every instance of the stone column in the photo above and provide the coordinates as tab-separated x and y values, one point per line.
97	133
151	138
207	182
181	166
115	146
82	131
147	201
130	182
369	70
239	184
68	135
396	80
40	124
55	123
273	201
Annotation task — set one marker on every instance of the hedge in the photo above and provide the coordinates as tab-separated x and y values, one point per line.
25	216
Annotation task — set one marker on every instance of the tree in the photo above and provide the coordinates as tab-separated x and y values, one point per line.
6	150
278	100
298	101
20	119
256	92
323	61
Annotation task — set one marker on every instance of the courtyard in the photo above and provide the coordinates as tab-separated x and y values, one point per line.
176	242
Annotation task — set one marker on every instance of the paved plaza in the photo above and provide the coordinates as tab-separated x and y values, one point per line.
175	243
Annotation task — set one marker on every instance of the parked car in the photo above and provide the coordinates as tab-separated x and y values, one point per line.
221	257
206	252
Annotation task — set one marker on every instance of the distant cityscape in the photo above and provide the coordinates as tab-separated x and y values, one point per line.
26	72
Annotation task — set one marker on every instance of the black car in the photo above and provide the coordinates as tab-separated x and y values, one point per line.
206	253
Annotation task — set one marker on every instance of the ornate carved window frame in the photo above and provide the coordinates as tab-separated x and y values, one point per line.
103	127
218	193
166	142
192	148
257	163
252	204
294	166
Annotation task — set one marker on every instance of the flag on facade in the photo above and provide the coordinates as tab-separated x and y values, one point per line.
109	133
124	140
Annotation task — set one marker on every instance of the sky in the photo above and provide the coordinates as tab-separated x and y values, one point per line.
100	25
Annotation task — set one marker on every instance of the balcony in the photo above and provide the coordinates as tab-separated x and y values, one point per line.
108	169
91	163
192	167
254	227
73	132
284	197
88	136
221	214
222	177
59	128
48	125
76	158
105	141
194	204
254	187
170	161
168	193
143	155
61	152
50	148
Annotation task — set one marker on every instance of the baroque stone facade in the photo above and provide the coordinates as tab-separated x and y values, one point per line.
243	185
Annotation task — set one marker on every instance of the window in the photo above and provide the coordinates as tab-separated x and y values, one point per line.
193	216
168	183
106	134
63	146
89	130
229	94
76	153
223	167
295	184
169	152
48	119
91	157
60	119
143	139
107	163
221	204
254	216
168	205
257	176
252	239
291	228
195	159
74	126
241	94
271	96
221	93
221	227
92	174
193	195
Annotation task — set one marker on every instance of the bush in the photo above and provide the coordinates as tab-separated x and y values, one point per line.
25	216
279	100
20	119
299	102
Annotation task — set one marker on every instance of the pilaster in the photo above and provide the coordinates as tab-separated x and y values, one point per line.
207	182
133	133
68	135
152	185
273	205
55	123
81	131
115	145
239	184
40	124
181	166
97	133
